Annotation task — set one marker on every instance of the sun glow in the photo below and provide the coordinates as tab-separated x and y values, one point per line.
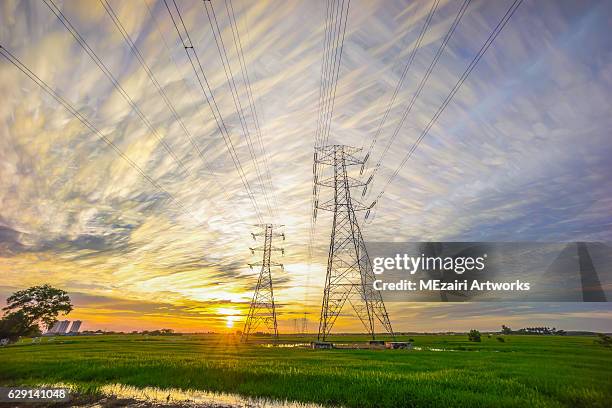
231	315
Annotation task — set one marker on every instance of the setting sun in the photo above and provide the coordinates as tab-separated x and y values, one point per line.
231	315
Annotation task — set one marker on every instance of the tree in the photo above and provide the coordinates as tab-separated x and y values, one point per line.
506	330
474	335
39	304
16	324
604	340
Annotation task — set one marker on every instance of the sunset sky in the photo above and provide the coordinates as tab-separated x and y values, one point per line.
521	154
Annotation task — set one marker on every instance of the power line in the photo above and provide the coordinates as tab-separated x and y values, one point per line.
338	49
498	28
113	15
45	87
66	23
420	87
229	75
400	82
190	91
325	69
212	103
213	106
245	73
323	86
329	80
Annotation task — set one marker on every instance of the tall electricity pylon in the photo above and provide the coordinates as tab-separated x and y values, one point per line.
262	308
349	270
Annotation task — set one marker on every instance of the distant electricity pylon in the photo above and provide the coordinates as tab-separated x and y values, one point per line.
349	270
262	308
300	326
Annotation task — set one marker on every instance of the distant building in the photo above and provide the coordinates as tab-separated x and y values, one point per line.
76	325
63	326
54	328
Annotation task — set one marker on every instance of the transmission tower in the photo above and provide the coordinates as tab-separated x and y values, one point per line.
349	270
262	310
300	326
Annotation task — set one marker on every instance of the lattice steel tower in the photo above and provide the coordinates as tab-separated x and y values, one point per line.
262	308
349	270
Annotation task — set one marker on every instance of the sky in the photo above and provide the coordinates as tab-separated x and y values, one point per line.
520	154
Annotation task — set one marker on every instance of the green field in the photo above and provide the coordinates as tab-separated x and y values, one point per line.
535	371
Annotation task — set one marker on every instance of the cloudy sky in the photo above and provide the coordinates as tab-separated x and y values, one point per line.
522	153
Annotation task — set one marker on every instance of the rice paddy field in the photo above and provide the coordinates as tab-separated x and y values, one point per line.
442	370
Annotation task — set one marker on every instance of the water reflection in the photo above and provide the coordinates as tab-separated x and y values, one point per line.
286	345
196	398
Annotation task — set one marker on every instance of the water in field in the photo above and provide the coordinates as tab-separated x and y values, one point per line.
176	397
286	345
350	346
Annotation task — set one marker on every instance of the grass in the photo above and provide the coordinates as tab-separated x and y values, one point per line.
535	371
